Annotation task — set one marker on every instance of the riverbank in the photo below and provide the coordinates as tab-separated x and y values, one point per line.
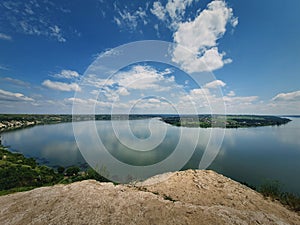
18	121
10	122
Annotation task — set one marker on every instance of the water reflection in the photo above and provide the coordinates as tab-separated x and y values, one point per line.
51	145
124	163
247	154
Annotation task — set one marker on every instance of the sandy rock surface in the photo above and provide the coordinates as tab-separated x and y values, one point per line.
188	197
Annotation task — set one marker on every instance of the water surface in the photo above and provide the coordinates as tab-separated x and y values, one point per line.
251	155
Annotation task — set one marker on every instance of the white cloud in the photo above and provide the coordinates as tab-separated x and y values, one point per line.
200	38
240	100
144	77
231	94
109	53
117	21
12	96
3	67
113	95
16	82
176	10
215	84
137	86
5	37
60	86
172	13
93	80
234	21
291	96
128	19
67	74
134	84
158	10
55	31
81	101
157	30
34	17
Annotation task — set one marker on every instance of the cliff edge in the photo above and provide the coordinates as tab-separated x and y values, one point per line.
187	197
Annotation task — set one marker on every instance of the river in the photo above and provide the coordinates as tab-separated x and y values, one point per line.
251	155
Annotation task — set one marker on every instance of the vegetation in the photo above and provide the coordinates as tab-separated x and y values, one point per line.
17	121
229	121
18	173
273	189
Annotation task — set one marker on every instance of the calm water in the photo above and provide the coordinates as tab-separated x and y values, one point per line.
251	155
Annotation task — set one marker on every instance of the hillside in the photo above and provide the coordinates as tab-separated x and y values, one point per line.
188	197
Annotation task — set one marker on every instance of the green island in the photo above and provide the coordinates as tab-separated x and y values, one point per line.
18	121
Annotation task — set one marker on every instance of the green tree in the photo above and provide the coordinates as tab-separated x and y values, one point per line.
61	169
72	171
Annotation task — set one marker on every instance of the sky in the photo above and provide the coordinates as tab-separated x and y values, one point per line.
236	57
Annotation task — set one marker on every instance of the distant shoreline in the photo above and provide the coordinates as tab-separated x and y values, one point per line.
9	122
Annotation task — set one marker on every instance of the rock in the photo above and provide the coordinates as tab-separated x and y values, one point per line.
188	197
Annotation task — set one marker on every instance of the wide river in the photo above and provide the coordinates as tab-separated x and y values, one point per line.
251	155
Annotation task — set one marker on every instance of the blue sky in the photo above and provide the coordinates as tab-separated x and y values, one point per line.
251	48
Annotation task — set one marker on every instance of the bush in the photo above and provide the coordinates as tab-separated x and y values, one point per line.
92	174
60	170
271	188
72	171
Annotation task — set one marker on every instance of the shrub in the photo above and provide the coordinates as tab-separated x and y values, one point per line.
72	171
271	188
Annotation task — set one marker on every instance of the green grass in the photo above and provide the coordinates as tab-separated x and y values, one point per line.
273	189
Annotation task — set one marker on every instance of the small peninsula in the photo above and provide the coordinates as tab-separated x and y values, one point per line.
225	121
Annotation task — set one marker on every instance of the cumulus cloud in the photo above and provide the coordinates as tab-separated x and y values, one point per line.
143	88
93	80
196	38
215	84
60	86
144	77
136	79
176	9
5	37
12	96
67	74
132	86
291	96
200	37
172	13
231	94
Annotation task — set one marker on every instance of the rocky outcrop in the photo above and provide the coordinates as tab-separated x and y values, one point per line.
188	197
